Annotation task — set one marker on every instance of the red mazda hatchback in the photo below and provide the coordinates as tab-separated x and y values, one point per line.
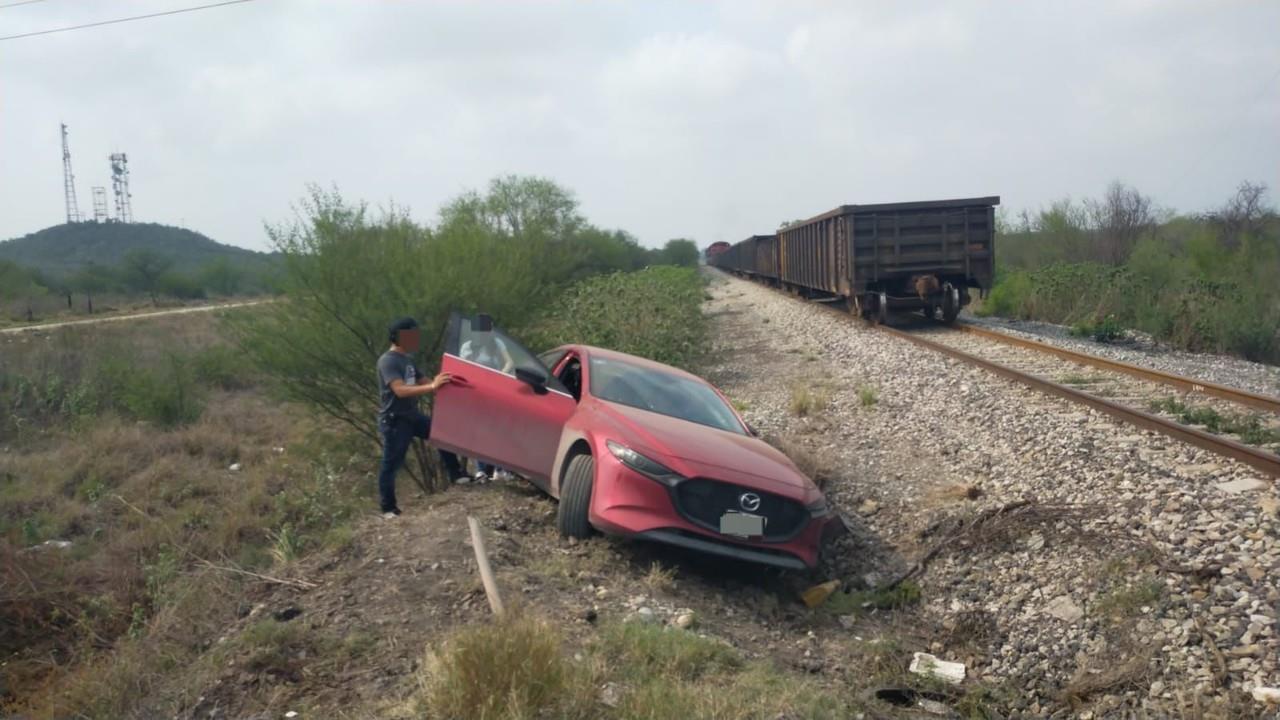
629	446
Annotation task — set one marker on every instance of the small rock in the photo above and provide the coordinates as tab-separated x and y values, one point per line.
287	614
235	467
684	620
1268	695
868	507
589	615
1236	487
1064	608
610	694
602	593
645	615
931	666
291	714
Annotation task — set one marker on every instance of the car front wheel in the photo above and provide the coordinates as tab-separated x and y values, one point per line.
575	498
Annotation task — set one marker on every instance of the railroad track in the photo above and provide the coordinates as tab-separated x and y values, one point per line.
1133	394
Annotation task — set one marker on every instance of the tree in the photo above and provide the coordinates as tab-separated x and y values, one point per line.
142	269
90	280
1119	218
679	252
1244	212
221	277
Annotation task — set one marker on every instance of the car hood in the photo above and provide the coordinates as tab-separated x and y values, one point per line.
706	449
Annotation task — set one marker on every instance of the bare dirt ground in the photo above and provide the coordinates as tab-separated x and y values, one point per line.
130	316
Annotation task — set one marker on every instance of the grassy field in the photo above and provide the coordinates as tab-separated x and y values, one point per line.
143	469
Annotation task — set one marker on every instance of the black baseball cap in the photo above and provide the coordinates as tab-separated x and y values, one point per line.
404	323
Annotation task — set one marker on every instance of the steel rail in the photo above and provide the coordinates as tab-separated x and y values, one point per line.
1244	397
1262	460
1267	462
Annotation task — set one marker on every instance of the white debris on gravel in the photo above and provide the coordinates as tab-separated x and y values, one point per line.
936	422
1140	349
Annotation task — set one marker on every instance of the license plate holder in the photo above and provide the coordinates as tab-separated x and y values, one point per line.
742	524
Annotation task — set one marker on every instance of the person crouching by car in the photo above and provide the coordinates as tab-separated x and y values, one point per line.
399	419
487	349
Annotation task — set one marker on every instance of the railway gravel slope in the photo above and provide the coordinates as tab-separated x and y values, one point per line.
1144	577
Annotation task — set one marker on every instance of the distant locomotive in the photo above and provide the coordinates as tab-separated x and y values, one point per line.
879	258
714	249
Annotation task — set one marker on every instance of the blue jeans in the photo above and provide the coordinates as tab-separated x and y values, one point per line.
398	433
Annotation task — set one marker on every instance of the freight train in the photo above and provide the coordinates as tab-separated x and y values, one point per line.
879	259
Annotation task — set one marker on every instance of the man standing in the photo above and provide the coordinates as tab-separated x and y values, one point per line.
399	419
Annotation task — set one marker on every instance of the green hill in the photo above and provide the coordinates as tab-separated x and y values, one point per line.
62	249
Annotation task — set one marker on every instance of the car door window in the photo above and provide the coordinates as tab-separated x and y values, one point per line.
494	349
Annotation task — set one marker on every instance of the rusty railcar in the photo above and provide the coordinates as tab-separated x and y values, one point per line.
756	257
893	256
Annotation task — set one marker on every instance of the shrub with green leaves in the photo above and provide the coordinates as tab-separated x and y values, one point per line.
654	313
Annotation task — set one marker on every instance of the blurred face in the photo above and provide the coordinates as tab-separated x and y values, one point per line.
409	340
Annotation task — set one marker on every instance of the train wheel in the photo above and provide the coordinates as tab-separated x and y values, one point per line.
950	303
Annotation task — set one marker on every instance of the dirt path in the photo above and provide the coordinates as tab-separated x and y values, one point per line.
131	316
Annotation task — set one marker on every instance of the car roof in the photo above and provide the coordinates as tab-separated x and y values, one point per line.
607	354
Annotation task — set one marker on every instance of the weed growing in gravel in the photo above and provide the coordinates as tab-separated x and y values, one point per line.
818	464
659	578
1248	427
808	400
855	603
868	396
1128	600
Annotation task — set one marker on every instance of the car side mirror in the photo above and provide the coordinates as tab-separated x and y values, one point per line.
533	378
482	323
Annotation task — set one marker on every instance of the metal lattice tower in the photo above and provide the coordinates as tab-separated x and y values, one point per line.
120	186
69	180
100	204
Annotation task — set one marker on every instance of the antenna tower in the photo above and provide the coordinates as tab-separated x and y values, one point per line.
69	180
120	186
100	204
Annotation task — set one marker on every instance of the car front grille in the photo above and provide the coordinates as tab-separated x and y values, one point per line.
702	502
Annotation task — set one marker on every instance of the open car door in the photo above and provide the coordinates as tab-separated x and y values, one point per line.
503	406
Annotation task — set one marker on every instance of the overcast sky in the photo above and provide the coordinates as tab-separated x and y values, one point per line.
690	119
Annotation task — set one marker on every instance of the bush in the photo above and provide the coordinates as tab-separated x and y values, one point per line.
654	313
510	669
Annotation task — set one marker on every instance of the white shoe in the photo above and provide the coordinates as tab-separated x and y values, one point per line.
503	476
462	480
480	477
389	516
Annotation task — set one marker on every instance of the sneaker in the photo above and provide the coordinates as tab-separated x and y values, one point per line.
462	480
503	476
391	514
480	477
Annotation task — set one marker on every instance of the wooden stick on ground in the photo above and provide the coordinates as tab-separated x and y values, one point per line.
486	573
304	584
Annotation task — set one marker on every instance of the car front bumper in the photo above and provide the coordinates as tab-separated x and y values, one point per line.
625	503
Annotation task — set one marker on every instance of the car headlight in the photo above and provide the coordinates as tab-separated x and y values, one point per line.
643	465
818	508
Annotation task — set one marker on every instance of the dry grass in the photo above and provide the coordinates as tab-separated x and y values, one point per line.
808	399
519	668
509	670
952	493
819	464
141	504
659	578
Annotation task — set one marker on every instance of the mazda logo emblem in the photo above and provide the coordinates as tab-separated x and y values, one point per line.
749	501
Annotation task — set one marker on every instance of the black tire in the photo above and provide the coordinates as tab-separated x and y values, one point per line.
575	498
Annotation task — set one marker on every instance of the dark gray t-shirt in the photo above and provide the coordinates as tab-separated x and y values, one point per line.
395	366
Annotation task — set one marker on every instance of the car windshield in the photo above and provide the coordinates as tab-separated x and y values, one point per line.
661	392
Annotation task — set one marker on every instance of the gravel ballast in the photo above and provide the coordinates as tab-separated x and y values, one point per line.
1155	583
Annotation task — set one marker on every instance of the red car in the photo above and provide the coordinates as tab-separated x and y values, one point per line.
629	446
